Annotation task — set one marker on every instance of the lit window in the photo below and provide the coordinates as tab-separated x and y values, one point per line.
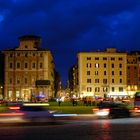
88	65
89	89
96	65
97	89
33	80
105	81
105	89
18	80
96	72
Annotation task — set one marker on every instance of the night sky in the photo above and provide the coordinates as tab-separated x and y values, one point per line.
70	26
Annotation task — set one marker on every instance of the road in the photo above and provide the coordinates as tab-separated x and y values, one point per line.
81	129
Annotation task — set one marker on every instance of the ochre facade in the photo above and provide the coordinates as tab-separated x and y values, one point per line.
25	65
102	73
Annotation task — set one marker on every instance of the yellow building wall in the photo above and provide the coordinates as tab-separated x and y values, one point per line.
82	67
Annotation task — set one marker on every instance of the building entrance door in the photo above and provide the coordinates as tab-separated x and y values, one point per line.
26	95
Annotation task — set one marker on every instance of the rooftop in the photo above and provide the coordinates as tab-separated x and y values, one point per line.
29	37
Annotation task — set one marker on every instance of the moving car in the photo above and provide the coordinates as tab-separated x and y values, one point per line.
137	103
11	115
111	110
36	113
32	112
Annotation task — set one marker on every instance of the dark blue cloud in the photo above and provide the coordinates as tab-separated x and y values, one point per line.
71	26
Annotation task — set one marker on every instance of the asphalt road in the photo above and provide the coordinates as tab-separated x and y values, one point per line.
84	128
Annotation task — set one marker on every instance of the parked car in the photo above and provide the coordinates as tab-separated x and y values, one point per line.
111	110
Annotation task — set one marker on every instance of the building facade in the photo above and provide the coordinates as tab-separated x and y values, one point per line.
132	74
73	80
57	84
29	70
138	63
1	74
102	74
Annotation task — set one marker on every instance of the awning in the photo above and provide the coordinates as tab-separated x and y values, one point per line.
118	94
42	83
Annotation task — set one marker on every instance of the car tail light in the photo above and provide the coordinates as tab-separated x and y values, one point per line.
14	107
12	114
106	110
136	109
95	110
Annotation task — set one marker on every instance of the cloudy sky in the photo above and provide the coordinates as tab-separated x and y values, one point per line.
70	26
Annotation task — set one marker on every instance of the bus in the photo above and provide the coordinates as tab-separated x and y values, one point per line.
137	102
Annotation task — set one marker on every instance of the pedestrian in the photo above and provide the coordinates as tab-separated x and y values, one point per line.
89	101
59	101
85	101
73	102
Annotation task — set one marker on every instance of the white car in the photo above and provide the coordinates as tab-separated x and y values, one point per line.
36	113
33	112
